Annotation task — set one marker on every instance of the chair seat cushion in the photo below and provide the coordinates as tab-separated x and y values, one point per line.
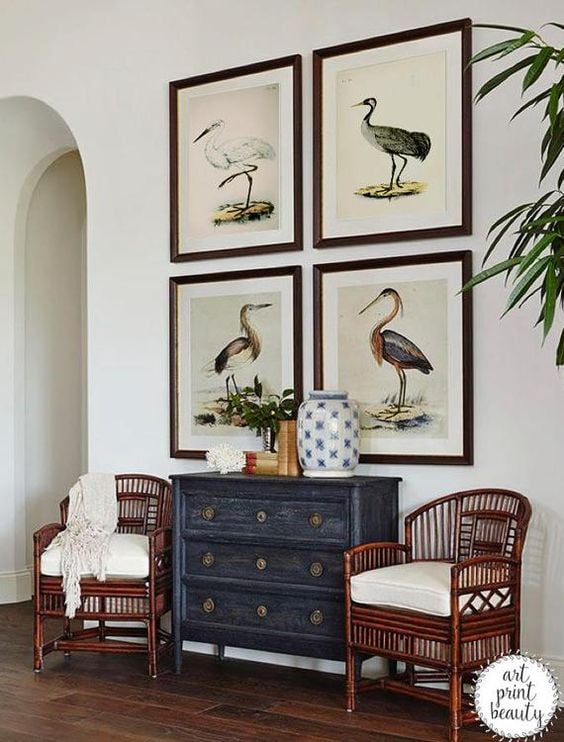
128	557
416	586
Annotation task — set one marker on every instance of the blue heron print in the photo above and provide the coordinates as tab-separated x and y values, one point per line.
395	349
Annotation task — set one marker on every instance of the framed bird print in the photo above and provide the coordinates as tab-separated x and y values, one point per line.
225	329
392	137
235	159
396	334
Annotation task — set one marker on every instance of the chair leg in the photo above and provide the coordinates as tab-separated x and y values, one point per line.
152	647
38	641
351	679
455	705
67	633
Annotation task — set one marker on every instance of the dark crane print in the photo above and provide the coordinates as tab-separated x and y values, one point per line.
399	144
401	353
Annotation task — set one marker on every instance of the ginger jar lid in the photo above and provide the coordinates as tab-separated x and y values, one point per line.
328	394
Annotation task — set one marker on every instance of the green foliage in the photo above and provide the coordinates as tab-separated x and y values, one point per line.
262	411
535	262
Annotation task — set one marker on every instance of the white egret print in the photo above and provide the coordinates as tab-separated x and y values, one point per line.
233	159
397	143
238	156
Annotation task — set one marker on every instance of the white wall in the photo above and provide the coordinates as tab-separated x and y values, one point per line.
53	295
115	101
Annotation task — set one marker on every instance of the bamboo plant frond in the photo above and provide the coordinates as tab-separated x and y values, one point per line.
535	260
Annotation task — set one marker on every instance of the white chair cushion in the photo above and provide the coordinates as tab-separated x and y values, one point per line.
128	557
416	586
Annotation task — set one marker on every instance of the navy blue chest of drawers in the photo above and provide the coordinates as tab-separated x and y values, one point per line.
258	560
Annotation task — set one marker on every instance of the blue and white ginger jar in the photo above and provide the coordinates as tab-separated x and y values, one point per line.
328	435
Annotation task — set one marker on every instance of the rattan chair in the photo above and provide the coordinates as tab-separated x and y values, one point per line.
144	508
444	602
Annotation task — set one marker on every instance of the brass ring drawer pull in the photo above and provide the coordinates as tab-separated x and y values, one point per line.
316	569
208	559
208	606
316	520
262	610
316	617
261	516
260	563
208	513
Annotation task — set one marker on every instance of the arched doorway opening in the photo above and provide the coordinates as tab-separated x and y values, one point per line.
42	323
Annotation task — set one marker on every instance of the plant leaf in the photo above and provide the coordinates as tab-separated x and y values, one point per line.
490	272
534	253
525	283
560	350
549	299
491	51
533	102
552	108
496	80
537	68
501	28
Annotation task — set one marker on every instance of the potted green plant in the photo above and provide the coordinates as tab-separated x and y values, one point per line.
262	412
535	230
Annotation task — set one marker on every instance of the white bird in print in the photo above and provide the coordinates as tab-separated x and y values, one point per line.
240	153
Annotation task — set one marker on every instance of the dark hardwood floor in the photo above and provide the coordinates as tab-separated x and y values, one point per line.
93	697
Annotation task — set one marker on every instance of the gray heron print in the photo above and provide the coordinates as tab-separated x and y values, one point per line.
240	157
399	145
402	354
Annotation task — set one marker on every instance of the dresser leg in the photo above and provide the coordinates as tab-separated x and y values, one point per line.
178	657
358	658
221	651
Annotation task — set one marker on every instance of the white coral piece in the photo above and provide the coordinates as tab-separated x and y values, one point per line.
225	458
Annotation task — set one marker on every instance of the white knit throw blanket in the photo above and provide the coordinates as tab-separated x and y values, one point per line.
92	519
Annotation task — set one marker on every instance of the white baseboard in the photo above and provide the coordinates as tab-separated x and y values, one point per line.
15	587
371	668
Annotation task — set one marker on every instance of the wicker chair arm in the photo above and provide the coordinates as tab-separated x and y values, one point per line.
160	552
160	540
374	556
484	583
43	537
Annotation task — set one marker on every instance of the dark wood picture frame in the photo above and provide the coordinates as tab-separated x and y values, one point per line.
177	253
294	272
464	257
320	238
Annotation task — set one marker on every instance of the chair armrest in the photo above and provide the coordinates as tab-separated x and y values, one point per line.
373	556
160	540
160	551
486	582
43	537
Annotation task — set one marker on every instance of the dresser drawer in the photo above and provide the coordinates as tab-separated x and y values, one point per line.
260	517
225	607
312	567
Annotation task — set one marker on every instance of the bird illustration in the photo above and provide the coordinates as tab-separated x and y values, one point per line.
394	348
239	153
241	351
393	141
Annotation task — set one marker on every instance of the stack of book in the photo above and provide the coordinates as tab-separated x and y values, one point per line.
261	462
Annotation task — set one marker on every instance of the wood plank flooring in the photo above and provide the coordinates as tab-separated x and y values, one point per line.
101	698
